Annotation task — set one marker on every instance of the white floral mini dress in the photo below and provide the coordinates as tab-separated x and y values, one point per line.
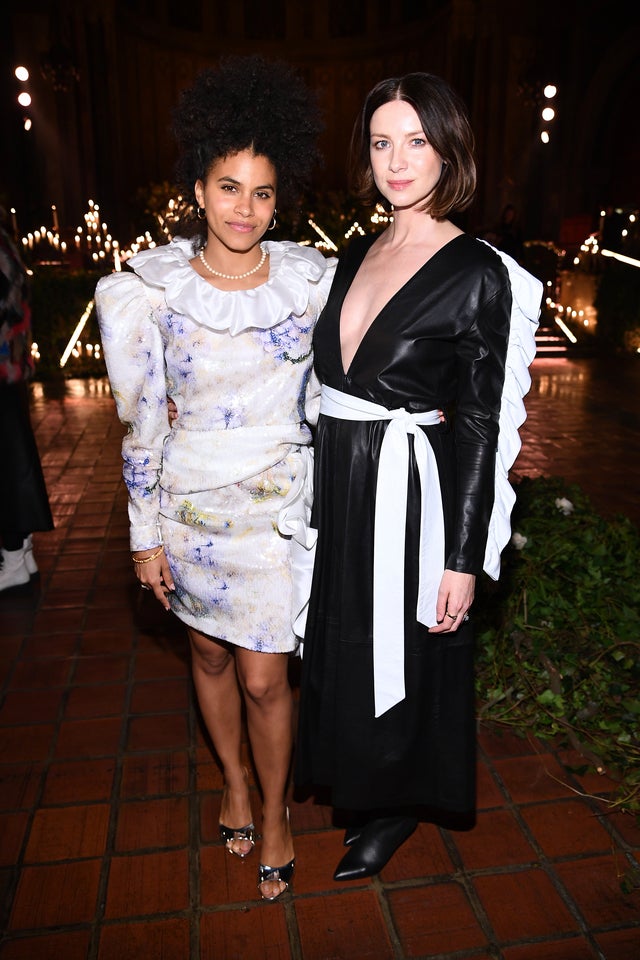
239	367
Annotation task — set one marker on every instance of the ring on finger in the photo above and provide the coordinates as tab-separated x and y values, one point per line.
452	616
145	586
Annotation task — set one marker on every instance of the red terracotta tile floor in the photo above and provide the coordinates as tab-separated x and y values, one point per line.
109	794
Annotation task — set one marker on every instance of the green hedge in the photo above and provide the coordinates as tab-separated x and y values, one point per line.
559	633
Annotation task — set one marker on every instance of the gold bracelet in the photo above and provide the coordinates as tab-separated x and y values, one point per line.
153	556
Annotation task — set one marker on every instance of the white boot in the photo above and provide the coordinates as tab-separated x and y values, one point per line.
29	559
14	571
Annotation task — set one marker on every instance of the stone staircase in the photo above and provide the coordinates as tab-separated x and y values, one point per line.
551	342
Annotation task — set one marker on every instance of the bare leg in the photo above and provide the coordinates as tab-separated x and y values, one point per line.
216	683
269	701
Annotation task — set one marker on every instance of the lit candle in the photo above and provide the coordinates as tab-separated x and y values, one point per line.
14	220
54	211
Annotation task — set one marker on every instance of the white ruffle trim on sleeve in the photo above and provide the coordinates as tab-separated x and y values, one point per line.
292	270
525	315
294	521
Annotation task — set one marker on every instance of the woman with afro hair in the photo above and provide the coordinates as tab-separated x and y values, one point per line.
222	323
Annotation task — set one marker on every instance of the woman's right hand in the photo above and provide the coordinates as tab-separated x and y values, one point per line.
155	575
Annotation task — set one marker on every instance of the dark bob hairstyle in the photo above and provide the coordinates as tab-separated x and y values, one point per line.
248	103
444	120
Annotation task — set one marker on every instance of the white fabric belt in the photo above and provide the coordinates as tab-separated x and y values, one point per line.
389	534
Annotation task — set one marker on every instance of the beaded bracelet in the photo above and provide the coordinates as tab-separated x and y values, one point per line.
149	559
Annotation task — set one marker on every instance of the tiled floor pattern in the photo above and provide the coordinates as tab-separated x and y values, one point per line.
109	795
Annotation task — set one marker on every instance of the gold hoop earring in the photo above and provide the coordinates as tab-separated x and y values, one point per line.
273	223
201	213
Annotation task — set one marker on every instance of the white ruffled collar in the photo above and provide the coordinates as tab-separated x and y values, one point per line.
291	269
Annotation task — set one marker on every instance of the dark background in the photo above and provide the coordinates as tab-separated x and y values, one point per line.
105	76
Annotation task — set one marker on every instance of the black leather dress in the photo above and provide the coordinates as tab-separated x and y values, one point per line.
440	342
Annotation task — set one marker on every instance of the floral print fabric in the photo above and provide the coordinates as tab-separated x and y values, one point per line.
239	368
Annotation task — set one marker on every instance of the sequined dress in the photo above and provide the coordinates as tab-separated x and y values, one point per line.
239	368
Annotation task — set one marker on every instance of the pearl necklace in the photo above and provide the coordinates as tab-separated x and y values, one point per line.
232	276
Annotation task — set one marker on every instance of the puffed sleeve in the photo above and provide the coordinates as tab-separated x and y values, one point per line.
324	284
497	354
318	299
134	356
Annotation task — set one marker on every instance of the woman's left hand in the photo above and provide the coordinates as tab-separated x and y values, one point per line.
172	410
455	597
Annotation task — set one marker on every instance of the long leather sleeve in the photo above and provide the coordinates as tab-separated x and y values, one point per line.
481	353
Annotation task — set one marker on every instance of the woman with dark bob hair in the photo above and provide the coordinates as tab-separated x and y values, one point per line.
222	323
422	352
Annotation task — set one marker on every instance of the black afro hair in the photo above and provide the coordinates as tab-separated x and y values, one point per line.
249	103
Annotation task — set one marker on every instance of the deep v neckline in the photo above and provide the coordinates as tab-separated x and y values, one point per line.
385	306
